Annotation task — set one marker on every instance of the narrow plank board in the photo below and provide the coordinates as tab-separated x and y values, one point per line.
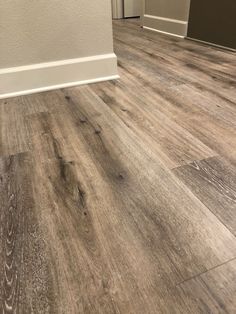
213	125
13	131
213	291
213	181
169	68
25	285
174	144
176	46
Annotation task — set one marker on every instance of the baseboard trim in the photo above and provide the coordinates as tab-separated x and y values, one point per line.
58	74
166	33
53	87
165	25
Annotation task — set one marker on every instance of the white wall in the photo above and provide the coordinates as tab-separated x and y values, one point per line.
38	31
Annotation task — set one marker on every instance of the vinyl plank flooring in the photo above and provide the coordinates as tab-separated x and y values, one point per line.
49	139
194	96
174	71
210	122
25	285
13	131
175	45
15	135
174	145
215	290
213	181
111	129
176	65
215	134
110	223
208	102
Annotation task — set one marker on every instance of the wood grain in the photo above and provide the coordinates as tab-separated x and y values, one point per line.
215	290
110	216
199	96
174	144
13	131
93	219
25	285
173	63
213	181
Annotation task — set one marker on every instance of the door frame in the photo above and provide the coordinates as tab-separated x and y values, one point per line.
143	11
117	9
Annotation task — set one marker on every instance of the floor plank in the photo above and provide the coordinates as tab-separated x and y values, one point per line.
174	144
213	124
13	131
25	285
175	65
213	181
215	290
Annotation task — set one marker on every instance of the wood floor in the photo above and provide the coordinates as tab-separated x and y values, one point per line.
120	197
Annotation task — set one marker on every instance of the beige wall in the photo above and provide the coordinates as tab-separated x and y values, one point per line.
36	31
174	9
168	16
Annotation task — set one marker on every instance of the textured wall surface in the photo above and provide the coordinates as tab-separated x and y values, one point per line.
174	9
35	31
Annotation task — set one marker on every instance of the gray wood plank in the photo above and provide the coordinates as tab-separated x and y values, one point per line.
213	291
25	285
213	181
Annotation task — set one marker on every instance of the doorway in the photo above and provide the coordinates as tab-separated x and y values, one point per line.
126	8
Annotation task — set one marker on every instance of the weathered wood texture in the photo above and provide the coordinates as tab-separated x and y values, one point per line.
213	181
103	188
214	290
25	285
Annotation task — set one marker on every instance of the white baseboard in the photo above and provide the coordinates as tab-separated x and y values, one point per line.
165	25
57	74
162	32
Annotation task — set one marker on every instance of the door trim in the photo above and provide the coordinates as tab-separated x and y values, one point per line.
117	9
